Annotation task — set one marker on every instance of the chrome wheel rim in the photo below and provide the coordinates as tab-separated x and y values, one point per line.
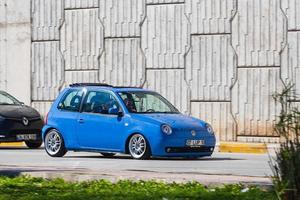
137	146
53	142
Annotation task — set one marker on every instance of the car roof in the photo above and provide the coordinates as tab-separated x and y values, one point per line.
92	86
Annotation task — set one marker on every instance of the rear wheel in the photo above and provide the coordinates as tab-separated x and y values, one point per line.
33	144
108	155
54	144
138	147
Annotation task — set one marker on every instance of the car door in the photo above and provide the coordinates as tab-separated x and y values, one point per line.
67	114
97	128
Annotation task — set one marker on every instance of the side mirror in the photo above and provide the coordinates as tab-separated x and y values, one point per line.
120	114
115	111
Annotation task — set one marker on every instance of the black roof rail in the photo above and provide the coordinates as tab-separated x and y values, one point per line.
128	87
100	85
90	84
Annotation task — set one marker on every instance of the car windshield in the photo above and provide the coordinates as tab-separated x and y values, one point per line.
146	102
6	99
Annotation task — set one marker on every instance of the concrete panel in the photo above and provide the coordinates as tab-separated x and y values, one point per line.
218	115
258	32
47	17
14	11
42	106
81	39
122	18
15	48
290	69
90	76
292	10
296	105
253	106
210	67
164	1
122	62
3	45
172	85
71	4
210	16
270	140
165	36
47	70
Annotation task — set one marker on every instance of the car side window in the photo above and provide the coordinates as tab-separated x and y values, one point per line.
71	101
100	102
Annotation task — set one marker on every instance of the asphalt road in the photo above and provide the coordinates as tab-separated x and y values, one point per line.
220	168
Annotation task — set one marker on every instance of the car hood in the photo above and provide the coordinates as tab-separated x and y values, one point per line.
18	111
176	121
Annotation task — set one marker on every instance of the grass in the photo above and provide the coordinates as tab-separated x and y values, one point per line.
29	188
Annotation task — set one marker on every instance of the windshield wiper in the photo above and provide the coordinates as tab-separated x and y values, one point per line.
168	112
6	104
156	112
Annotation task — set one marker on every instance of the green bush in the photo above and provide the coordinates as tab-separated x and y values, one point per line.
286	170
28	188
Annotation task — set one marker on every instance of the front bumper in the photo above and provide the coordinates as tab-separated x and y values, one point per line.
9	129
176	146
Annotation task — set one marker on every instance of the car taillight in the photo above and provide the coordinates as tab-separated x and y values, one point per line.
46	119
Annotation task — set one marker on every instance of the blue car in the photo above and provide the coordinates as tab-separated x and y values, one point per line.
109	120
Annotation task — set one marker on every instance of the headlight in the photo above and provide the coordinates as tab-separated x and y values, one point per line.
166	129
209	129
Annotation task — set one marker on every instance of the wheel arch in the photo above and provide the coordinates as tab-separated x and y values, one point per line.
130	135
53	128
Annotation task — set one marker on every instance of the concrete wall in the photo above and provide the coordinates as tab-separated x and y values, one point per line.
220	60
15	39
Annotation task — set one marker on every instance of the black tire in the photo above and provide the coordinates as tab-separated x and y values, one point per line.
108	155
33	144
61	150
147	151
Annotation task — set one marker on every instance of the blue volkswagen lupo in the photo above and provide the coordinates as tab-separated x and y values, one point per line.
106	119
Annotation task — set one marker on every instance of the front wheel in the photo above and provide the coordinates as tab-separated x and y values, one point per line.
54	144
138	147
33	144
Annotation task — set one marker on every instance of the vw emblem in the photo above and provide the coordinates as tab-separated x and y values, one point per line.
193	133
25	121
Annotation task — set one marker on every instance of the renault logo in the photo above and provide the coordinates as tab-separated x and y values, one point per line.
193	133
25	121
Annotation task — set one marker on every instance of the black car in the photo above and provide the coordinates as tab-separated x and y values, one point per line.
19	122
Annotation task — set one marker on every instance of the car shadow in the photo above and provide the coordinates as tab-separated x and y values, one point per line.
18	148
125	157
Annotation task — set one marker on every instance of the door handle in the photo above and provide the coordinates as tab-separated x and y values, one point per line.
80	121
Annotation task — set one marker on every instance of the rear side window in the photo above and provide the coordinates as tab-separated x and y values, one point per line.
71	101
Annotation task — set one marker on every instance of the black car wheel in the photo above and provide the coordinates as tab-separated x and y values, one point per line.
139	147
33	144
108	155
54	144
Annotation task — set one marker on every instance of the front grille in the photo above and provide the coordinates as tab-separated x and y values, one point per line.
24	131
20	120
189	149
188	133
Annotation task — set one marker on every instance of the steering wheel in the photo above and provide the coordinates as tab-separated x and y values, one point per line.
150	110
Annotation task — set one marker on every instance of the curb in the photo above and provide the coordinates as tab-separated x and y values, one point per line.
81	174
235	147
12	144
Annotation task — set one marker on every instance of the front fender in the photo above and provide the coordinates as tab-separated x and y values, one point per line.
151	132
